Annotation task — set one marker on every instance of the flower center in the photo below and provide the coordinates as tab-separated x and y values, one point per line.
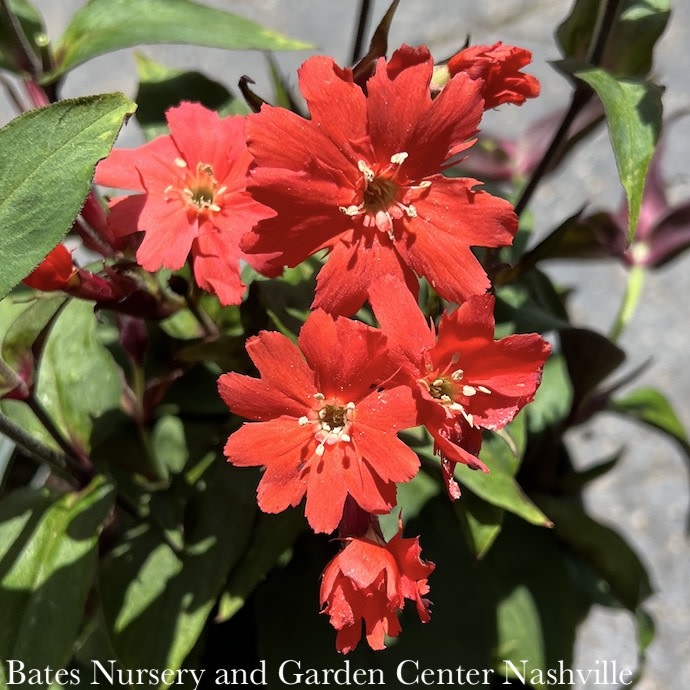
198	190
450	393
382	193
331	422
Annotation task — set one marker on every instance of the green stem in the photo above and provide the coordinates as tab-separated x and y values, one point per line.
581	96
27	58
56	460
631	298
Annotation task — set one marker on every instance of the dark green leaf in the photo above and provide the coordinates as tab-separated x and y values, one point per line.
537	609
606	552
575	238
480	521
47	564
47	161
77	378
552	402
531	304
106	25
573	482
161	88
32	25
273	535
633	115
629	47
590	358
648	405
156	598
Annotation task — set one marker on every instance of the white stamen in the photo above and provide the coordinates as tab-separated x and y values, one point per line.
469	391
351	210
399	158
457	375
303	420
319	396
320	449
483	389
180	163
366	171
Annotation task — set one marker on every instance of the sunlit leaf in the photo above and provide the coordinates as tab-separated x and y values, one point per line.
48	551
103	26
47	161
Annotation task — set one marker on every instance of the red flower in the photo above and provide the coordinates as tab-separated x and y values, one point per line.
497	68
465	380
360	178
191	198
326	424
55	272
368	582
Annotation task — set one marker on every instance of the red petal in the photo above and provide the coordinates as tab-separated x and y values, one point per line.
343	283
150	167
282	367
403	118
346	356
257	399
202	137
168	237
123	218
400	318
217	267
336	104
326	491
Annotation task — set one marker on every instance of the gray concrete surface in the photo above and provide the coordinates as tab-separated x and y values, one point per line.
646	496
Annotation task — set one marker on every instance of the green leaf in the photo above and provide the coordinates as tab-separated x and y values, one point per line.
572	481
48	551
103	26
531	304
77	377
20	346
273	535
499	487
161	88
480	521
633	115
629	46
649	406
553	400
602	548
537	609
169	444
47	161
32	25
156	598
590	358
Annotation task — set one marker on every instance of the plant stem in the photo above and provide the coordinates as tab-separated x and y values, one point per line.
75	457
57	461
27	59
11	377
631	298
364	12
581	96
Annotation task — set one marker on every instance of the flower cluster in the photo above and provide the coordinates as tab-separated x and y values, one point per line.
361	181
